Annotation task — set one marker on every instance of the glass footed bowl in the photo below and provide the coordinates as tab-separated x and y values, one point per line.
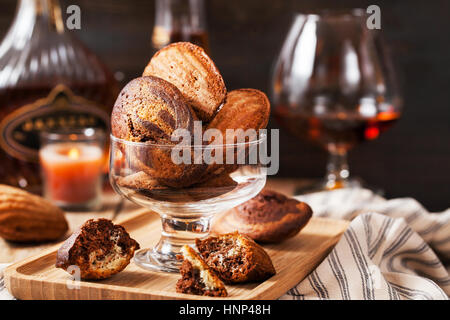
141	172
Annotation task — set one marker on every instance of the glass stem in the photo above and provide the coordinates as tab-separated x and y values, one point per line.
179	231
337	169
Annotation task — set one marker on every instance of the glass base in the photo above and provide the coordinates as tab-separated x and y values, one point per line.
328	185
152	260
176	232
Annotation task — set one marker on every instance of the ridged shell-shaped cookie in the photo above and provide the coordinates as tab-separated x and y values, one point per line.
243	109
269	217
192	71
150	109
25	217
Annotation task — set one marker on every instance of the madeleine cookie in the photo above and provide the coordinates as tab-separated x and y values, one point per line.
268	217
139	181
142	183
98	248
197	277
213	187
150	109
236	258
244	109
189	68
25	217
157	163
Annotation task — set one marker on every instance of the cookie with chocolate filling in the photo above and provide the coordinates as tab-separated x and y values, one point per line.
236	258
197	278
98	248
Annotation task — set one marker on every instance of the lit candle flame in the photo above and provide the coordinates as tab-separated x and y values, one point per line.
73	153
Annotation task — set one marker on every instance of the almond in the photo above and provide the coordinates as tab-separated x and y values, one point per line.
25	217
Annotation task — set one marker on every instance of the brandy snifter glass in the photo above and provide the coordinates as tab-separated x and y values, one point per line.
333	85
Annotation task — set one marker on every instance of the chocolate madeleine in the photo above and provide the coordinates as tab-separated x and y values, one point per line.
197	278
236	258
98	248
269	217
150	109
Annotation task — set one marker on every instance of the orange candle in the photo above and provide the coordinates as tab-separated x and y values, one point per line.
72	172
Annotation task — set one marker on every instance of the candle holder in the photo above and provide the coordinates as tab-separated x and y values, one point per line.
72	165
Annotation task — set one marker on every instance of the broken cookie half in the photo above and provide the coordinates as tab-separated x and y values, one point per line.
99	249
197	278
236	258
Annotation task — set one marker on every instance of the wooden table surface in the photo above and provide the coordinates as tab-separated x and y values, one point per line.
12	252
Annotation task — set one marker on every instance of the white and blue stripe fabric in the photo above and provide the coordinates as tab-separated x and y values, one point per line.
392	249
4	294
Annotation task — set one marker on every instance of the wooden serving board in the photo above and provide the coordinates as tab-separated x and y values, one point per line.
37	278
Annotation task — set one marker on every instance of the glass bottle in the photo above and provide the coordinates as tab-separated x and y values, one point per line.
180	20
48	81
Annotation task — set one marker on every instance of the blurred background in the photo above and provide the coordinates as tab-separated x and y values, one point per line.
411	159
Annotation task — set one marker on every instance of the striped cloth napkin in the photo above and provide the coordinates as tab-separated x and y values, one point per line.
393	249
4	294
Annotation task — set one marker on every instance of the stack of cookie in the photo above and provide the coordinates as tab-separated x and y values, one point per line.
179	86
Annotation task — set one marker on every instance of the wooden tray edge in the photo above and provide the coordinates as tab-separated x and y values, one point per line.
276	290
11	275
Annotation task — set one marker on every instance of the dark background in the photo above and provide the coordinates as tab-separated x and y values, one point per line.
410	160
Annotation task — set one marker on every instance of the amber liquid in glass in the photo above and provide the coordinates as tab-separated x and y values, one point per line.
344	131
163	37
